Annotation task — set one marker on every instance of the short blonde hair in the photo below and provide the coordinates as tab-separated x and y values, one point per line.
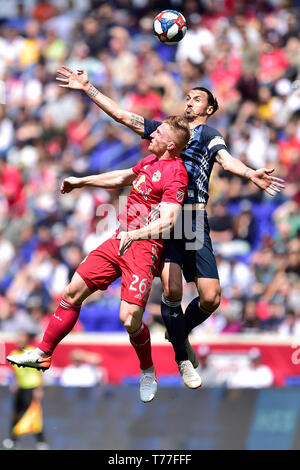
181	128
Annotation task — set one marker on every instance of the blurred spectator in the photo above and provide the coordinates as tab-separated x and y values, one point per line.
29	53
27	389
244	226
7	252
145	101
255	375
54	48
221	223
163	83
122	63
6	132
197	42
234	274
250	321
273	63
290	326
231	313
274	317
44	10
12	187
14	319
84	371
94	34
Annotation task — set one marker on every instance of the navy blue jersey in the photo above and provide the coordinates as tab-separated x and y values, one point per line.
198	156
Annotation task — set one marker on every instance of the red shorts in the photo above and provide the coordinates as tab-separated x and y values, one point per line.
138	266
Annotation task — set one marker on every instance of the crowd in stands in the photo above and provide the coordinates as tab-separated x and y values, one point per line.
247	53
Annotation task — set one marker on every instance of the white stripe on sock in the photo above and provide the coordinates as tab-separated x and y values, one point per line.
170	303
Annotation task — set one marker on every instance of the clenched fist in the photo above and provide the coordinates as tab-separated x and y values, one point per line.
69	184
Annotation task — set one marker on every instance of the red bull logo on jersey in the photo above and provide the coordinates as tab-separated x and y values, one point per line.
140	186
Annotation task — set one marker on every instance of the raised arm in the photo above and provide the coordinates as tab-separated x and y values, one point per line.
169	213
261	177
110	180
80	81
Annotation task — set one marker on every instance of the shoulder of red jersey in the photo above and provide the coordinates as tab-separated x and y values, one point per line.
144	162
177	170
175	182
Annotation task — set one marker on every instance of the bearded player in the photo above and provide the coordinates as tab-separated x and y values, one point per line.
159	186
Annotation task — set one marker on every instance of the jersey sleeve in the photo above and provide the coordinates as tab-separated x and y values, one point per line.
175	186
214	141
149	127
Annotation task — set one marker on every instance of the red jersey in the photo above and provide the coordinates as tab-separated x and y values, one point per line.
157	181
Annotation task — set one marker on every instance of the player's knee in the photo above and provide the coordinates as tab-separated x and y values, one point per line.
211	300
70	294
130	319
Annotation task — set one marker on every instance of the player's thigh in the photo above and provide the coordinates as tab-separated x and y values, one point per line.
139	266
171	272
171	278
131	315
101	267
209	290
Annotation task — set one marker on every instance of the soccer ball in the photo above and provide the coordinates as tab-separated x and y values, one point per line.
169	26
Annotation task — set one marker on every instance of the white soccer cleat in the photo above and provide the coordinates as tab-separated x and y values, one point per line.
148	386
189	376
192	355
31	359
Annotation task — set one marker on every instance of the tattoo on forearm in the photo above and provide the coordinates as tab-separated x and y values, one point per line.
136	120
92	91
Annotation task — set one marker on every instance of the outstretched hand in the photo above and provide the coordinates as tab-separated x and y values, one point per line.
69	79
264	180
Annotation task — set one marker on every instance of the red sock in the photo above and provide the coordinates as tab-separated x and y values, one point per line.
141	342
61	323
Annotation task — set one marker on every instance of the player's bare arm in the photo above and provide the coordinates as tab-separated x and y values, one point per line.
262	177
110	180
80	81
169	213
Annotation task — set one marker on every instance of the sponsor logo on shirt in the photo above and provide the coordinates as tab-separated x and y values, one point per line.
140	186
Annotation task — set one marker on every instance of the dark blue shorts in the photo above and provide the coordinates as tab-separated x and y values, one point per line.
190	247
